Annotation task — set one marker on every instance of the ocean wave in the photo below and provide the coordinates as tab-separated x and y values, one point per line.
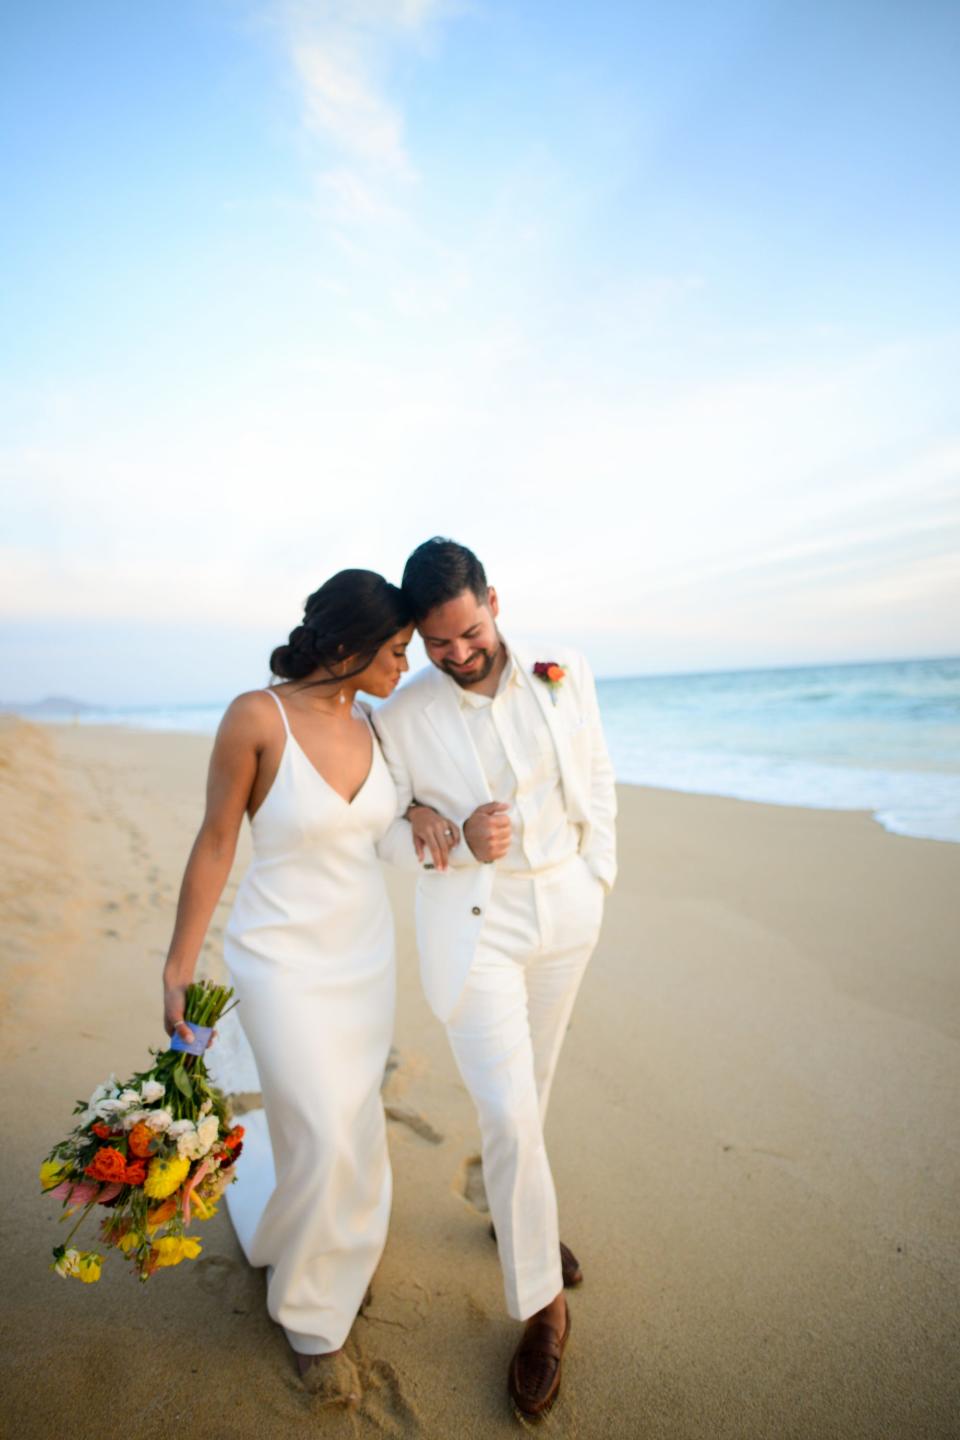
922	804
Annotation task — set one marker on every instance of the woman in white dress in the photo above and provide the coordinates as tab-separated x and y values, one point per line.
309	947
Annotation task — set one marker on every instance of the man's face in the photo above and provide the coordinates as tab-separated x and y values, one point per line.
461	637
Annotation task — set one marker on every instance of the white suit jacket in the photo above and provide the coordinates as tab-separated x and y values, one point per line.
431	756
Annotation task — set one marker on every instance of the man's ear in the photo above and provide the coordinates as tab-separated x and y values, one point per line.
493	602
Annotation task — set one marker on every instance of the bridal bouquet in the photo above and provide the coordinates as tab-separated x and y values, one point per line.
155	1153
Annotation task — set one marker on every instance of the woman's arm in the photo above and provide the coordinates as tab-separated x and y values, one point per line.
233	769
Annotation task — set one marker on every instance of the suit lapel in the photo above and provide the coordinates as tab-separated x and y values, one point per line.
444	714
569	776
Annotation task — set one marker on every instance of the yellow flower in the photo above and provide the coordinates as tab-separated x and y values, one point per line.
202	1208
165	1176
88	1268
51	1173
128	1242
172	1249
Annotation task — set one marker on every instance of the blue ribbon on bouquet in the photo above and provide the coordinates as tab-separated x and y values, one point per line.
200	1041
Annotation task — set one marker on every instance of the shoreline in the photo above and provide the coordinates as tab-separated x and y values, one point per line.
876	816
751	1133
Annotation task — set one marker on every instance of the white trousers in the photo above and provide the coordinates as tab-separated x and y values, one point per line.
506	1032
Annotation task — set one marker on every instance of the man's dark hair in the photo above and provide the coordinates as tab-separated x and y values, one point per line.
439	570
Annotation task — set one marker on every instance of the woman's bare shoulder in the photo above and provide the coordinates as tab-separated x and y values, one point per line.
252	716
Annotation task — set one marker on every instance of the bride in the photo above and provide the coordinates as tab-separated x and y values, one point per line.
309	947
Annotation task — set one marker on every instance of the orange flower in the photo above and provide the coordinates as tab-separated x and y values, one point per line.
234	1138
135	1173
109	1165
142	1141
160	1214
555	673
102	1132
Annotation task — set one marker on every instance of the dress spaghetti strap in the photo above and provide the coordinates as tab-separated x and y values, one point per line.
281	707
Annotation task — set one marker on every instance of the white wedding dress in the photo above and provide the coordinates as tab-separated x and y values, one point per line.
309	947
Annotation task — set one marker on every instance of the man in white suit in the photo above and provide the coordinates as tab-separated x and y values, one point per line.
503	770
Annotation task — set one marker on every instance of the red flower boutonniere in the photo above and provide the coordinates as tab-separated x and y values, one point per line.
551	674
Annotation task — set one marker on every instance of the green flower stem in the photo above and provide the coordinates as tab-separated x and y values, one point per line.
83	1216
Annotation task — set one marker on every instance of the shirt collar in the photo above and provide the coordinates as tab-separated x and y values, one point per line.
511	676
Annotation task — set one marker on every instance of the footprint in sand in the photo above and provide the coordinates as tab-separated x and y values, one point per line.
226	1279
396	1074
384	1404
403	1115
403	1307
478	1317
468	1184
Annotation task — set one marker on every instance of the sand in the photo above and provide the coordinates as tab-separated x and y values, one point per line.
753	1134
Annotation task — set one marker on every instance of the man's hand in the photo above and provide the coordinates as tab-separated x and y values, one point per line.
432	832
487	832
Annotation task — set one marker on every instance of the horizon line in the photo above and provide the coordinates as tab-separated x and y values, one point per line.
72	701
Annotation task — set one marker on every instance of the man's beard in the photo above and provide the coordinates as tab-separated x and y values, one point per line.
474	676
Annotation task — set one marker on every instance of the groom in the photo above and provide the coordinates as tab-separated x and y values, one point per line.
512	751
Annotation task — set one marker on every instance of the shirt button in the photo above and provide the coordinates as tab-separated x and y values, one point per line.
475	910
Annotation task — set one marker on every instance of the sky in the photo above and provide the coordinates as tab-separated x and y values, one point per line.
655	307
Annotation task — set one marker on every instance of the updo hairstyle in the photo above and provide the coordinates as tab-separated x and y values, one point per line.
351	615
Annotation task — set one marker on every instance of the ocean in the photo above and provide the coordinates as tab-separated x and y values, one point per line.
882	737
878	737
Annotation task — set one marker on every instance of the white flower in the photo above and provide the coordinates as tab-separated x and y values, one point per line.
158	1120
208	1130
205	1108
109	1087
194	1143
151	1091
68	1263
107	1109
179	1127
133	1117
128	1098
190	1146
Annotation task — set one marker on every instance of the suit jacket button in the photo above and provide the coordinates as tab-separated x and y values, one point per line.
475	910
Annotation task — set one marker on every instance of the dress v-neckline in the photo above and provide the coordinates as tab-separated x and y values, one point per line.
320	776
323	779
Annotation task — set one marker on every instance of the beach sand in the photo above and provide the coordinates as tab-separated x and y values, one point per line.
753	1133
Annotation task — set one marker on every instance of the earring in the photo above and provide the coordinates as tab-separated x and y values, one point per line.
343	698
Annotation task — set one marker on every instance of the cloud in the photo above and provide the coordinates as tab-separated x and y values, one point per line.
342	105
342	55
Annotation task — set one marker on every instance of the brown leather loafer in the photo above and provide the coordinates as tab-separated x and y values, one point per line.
534	1376
569	1264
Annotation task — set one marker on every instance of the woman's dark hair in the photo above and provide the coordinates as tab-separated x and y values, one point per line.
352	615
439	570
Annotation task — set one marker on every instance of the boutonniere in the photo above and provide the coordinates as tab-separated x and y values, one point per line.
551	674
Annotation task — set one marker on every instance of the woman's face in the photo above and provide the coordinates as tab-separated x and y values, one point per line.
382	675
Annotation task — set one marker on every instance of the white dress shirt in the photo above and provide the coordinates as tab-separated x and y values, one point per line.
519	760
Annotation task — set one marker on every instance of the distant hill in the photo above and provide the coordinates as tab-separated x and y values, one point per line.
51	705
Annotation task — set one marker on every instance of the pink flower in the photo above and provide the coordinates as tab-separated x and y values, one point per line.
82	1192
199	1174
